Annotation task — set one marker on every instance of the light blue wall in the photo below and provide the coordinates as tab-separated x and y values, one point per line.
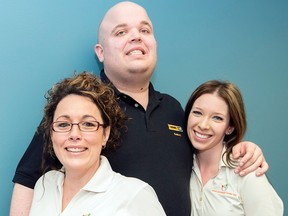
242	41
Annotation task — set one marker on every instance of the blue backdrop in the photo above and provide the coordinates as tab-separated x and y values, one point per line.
243	41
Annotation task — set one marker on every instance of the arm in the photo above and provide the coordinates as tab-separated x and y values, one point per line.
21	200
28	170
259	197
145	203
27	173
252	159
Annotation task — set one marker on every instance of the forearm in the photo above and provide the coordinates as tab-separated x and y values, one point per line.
21	200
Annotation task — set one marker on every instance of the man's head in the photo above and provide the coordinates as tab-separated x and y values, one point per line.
126	43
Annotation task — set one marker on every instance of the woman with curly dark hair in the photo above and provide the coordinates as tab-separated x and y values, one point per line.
82	117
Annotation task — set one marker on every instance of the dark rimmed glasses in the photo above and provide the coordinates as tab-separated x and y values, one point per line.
85	126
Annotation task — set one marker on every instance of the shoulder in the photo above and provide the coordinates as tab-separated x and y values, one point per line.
50	178
133	183
168	98
259	188
47	185
133	186
251	177
162	96
139	195
170	104
252	185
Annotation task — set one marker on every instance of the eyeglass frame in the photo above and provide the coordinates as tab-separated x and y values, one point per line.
78	124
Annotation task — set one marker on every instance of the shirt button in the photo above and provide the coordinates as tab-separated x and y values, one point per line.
136	105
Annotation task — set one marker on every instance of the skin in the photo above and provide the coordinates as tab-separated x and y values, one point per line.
131	75
21	200
208	123
78	151
128	49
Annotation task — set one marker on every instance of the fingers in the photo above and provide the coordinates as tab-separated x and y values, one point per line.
252	159
249	166
262	169
253	156
246	150
236	151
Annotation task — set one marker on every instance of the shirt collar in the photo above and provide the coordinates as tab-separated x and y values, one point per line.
101	180
152	92
221	163
103	177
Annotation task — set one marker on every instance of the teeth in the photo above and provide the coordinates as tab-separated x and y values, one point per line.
136	52
75	149
202	136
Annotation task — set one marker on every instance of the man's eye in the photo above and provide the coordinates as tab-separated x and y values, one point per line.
120	33
145	31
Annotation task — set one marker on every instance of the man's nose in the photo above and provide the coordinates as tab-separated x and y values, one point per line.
135	35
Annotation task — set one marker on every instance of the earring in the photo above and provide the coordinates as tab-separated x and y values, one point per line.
228	132
104	146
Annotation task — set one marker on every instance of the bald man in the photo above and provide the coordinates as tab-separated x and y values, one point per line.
154	147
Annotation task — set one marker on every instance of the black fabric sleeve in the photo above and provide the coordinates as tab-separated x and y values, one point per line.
29	167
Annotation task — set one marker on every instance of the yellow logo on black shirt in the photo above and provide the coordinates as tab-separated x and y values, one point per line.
175	128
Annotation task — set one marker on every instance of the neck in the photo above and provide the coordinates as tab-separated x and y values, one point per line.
141	96
208	162
131	86
74	181
134	85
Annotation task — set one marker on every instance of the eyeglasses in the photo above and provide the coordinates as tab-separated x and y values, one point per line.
86	126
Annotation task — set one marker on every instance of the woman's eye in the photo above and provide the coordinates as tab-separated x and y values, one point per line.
88	124
63	124
218	118
196	113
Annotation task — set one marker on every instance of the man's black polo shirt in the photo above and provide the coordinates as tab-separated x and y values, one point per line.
155	149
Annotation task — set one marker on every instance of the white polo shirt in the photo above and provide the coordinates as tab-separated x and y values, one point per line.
229	194
107	193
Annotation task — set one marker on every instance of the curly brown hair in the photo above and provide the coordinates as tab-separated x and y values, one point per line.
88	85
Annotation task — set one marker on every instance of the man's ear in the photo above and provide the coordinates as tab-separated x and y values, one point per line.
98	49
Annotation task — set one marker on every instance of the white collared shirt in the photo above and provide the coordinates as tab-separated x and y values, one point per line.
229	194
107	193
